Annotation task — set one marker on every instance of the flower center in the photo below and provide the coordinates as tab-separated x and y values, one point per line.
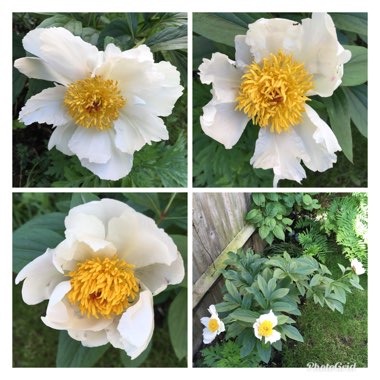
213	325
273	93
94	102
103	286
265	328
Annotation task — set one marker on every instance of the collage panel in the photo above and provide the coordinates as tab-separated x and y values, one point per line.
280	280
280	99
100	100
99	280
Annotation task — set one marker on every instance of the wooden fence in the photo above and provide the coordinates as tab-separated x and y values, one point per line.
218	223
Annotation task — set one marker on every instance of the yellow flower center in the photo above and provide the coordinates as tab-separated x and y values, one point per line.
265	328
213	325
273	93
94	102
103	287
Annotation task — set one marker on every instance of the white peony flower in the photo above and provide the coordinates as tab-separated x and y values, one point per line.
263	327
278	64
100	281
105	105
213	325
357	267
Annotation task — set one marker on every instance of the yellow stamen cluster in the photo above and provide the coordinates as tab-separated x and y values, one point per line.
265	328
273	93
94	102
213	325
103	287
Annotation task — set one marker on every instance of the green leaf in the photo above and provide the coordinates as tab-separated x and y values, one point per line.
292	332
258	296
264	351
264	231
342	268
177	321
339	114
129	363
34	237
258	199
356	69
170	38
306	198
245	315
355	284
232	290
59	20
351	22
82	198
248	345
226	306
287	221
262	285
316	280
357	98
216	28
285	307
279	233
118	29
279	293
71	353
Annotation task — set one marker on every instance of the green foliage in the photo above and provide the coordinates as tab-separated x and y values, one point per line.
32	237
347	219
214	166
227	355
255	285
270	212
158	165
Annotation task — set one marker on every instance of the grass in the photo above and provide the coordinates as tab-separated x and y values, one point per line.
330	337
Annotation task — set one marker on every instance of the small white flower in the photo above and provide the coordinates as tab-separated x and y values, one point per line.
357	267
105	105
263	327
100	281
213	326
278	64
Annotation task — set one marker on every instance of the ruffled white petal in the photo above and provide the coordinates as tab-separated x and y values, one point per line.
243	55
208	336
46	107
282	153
222	123
224	76
60	138
136	325
136	127
139	241
319	141
34	67
322	54
157	277
40	278
62	52
89	338
118	166
274	337
92	144
140	53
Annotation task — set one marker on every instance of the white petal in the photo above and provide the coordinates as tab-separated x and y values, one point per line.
224	76
205	320
141	53
243	55
89	338
46	107
34	67
322	54
208	336
269	36
62	315
274	337
222	123
60	138
92	144
118	166
136	325
221	327
139	241
136	127
319	141
270	317
282	153
256	329
62	52
40	278
212	310
157	277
